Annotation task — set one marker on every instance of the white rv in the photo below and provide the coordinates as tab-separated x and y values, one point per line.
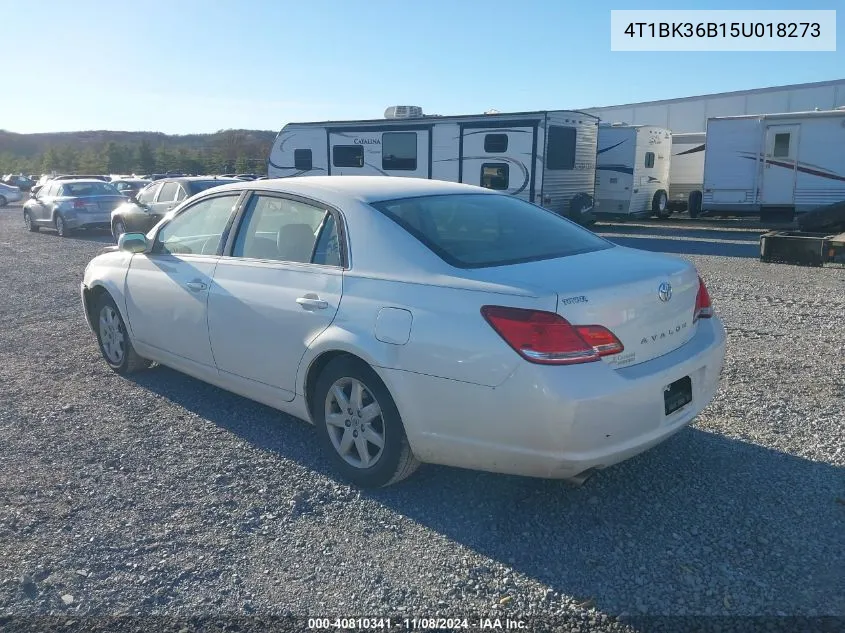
543	157
686	172
632	171
772	163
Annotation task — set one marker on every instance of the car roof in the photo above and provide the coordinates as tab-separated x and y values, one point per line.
361	188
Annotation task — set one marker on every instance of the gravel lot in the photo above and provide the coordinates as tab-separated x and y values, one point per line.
161	495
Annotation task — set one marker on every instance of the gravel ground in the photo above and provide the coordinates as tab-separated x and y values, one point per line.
163	496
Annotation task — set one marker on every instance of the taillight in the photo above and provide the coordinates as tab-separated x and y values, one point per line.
703	309
549	339
78	204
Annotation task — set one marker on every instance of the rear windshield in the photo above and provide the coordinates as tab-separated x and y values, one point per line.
482	230
201	185
89	189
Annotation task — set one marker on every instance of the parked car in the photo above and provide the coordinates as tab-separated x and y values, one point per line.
72	204
8	194
18	180
416	321
151	203
49	178
130	186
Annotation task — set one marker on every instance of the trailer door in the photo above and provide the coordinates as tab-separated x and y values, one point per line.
779	167
499	157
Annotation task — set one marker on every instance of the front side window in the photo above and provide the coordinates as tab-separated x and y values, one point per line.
348	155
303	160
279	229
560	151
649	160
495	176
481	230
199	228
148	194
168	192
399	151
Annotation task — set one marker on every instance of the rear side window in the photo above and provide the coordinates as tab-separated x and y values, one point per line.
560	153
348	155
649	160
302	160
484	230
495	143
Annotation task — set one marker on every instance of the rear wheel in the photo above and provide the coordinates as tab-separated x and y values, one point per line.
3	202
115	346
31	226
694	205
61	227
359	425
660	205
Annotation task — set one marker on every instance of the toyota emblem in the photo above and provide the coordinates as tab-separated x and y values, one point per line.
664	291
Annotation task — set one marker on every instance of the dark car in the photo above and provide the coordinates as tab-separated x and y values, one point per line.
20	181
154	201
129	187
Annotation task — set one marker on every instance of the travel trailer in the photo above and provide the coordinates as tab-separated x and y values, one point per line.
632	171
686	172
543	157
774	164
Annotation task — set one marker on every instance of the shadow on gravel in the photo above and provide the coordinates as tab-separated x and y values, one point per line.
702	523
685	246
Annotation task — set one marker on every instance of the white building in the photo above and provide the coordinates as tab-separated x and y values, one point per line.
690	114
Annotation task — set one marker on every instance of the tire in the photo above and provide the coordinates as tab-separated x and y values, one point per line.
31	226
61	227
579	202
108	324
694	204
394	460
3	202
118	228
660	204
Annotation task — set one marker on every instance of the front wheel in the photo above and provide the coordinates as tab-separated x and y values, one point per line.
359	425
31	226
660	205
115	346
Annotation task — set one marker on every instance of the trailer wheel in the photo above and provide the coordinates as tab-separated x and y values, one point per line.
660	204
694	204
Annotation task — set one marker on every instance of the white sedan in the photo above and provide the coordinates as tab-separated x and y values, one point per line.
416	321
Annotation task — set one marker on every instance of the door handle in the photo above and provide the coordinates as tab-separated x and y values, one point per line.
196	286
312	302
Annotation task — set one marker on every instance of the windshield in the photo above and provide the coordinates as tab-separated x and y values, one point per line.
482	230
79	189
201	185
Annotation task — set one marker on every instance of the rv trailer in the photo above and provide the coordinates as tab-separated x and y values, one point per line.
774	165
545	157
632	171
686	172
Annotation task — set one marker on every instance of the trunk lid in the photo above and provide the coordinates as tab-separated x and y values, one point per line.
620	289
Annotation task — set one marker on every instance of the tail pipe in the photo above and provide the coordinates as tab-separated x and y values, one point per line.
581	478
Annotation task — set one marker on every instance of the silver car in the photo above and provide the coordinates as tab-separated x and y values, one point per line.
8	194
72	204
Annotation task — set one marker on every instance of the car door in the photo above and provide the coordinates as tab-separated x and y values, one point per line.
35	205
167	288
166	200
276	291
139	216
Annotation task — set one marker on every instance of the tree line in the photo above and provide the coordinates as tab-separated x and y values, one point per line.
238	151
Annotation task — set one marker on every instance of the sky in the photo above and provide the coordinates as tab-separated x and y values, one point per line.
190	66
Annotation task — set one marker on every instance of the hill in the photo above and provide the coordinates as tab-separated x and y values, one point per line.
106	151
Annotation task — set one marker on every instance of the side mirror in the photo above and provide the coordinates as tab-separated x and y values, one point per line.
34	191
133	242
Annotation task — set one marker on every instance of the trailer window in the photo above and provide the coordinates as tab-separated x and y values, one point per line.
649	160
495	143
348	155
399	151
495	176
561	148
302	160
781	146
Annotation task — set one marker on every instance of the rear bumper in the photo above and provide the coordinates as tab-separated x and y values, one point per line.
556	422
